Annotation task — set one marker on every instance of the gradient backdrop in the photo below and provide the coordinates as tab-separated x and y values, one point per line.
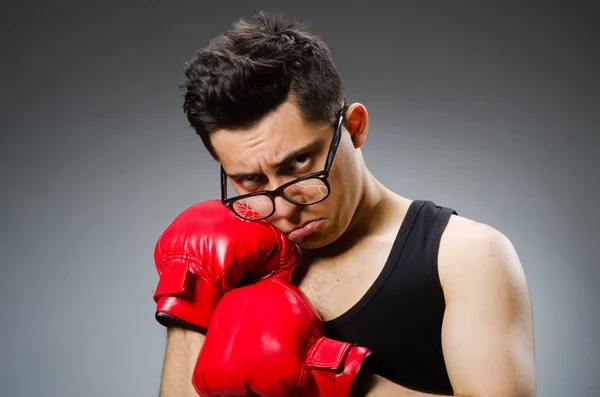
490	109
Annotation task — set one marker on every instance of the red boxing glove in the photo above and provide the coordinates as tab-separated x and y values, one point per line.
267	340
205	252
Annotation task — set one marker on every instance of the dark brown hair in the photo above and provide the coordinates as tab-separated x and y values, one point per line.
254	67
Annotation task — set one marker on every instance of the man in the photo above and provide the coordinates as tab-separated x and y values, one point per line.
439	302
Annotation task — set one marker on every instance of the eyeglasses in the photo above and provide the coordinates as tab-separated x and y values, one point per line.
307	190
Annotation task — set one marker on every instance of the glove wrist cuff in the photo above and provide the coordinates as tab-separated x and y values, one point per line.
346	374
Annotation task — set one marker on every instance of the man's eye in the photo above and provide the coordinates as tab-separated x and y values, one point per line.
251	179
300	160
250	182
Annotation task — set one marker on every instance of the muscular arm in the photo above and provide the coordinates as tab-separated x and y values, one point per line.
487	333
182	351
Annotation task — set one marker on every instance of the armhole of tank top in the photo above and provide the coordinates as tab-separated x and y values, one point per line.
390	264
431	262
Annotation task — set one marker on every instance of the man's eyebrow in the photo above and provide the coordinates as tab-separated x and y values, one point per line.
287	159
297	152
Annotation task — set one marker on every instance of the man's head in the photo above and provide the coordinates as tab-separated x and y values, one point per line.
264	90
254	67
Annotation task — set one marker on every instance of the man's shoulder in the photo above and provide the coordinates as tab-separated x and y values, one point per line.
471	251
465	231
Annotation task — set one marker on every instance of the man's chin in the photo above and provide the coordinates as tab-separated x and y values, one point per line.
309	245
314	241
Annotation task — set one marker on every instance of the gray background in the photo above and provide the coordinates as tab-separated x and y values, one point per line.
490	109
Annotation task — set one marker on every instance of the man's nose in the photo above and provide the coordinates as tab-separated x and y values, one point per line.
283	208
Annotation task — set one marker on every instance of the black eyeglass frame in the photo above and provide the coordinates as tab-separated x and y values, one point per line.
279	192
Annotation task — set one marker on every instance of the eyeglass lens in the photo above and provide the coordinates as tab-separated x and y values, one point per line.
304	192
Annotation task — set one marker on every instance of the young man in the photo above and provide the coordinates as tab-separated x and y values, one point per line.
440	301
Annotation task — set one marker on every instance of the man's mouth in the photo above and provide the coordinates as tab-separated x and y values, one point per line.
304	230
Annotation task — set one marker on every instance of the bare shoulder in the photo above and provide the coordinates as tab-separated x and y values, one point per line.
474	252
487	335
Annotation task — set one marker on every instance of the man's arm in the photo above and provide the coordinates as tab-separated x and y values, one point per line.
183	347
487	334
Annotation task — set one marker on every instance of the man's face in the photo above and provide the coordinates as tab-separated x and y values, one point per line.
283	147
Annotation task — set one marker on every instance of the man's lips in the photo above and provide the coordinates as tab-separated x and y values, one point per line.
304	230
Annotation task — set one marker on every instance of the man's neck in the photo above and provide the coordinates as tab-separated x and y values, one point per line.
377	209
371	206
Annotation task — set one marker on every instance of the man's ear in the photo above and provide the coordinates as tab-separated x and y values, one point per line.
356	123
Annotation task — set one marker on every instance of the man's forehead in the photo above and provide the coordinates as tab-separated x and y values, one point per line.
272	152
269	141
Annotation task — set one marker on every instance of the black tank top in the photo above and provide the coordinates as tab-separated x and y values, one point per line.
400	316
